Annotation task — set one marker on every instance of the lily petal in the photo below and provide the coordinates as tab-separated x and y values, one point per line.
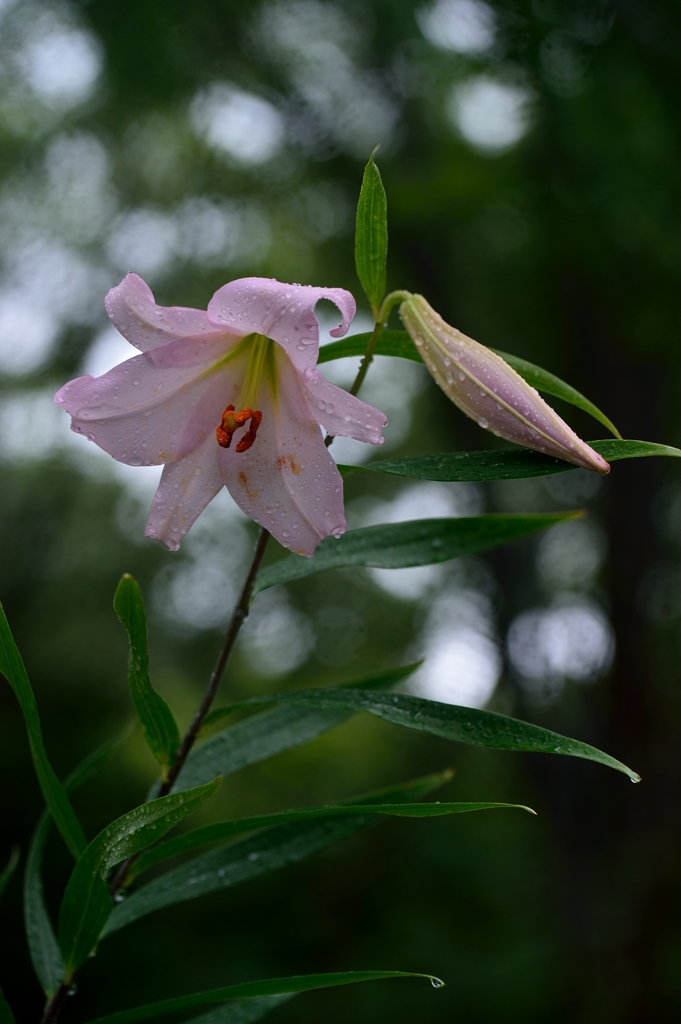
134	411
283	312
134	313
287	481
342	413
185	489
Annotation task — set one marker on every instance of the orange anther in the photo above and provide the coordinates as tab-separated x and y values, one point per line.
249	437
231	421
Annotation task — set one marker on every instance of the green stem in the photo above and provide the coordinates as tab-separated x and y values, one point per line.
239	616
387	305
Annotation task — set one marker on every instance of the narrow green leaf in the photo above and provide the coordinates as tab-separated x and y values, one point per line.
392	343
87	901
517	464
12	667
463	725
9	869
418	542
245	1011
371	236
266	851
378	680
223	830
613	449
6	1015
399	344
249	989
42	942
158	724
270	733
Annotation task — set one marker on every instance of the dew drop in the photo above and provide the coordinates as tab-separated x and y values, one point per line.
482	422
437	983
461	376
136	381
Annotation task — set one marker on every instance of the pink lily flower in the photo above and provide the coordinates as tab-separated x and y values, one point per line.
245	368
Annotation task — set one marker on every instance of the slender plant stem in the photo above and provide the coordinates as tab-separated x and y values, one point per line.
55	1004
239	616
368	357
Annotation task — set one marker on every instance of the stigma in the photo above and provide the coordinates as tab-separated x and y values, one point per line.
231	421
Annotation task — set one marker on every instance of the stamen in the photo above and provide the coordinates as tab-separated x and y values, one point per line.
231	421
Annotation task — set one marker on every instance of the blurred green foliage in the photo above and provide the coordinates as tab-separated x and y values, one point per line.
530	154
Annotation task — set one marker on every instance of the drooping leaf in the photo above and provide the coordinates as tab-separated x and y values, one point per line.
158	723
463	725
245	1011
6	1015
399	344
226	829
516	464
418	542
9	869
12	667
42	942
87	901
377	680
266	851
270	733
371	236
251	989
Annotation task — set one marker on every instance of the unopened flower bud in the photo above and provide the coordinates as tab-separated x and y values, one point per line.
490	391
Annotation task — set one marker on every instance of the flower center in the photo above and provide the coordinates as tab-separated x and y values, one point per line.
261	353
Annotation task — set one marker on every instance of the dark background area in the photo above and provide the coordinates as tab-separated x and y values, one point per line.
530	153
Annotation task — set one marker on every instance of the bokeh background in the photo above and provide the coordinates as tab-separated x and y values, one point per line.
530	152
